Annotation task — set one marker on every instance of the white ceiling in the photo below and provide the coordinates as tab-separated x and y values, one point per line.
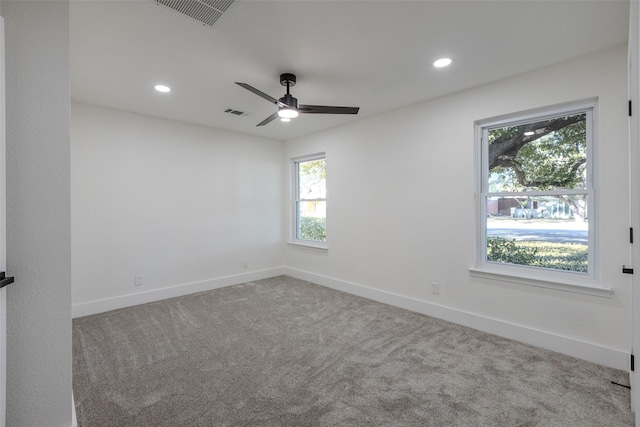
373	54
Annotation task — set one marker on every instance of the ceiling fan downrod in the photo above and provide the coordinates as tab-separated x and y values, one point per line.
288	80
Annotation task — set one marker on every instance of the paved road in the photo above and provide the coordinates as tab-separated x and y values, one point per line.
548	235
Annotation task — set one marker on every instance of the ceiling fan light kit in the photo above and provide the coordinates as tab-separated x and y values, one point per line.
287	113
288	107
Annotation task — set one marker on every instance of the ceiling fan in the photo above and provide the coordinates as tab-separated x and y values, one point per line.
288	107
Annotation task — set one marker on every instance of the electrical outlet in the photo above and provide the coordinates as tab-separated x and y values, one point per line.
435	288
245	264
137	280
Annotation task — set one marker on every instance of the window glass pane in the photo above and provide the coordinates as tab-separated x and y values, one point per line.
547	232
312	220
312	180
545	155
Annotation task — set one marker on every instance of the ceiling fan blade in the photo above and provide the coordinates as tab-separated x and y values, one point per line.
268	119
326	109
261	94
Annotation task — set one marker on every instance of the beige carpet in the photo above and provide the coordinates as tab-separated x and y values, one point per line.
283	352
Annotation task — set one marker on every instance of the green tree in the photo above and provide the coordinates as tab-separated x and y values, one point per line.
546	155
314	168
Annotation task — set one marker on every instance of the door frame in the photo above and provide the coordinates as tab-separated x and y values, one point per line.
634	189
3	236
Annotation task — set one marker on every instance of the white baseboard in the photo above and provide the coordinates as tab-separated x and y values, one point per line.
583	350
108	304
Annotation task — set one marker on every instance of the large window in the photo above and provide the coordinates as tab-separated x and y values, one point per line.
536	205
310	200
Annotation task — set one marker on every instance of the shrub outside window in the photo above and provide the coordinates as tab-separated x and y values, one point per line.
310	200
536	204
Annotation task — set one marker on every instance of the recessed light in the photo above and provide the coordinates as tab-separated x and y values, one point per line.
162	88
285	119
529	133
442	62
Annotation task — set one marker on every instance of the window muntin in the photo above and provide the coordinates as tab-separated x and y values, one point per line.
310	200
536	205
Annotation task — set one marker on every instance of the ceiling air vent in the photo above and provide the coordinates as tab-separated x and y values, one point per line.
206	12
236	112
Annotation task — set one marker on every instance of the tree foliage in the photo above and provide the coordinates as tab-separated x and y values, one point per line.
314	168
313	228
543	156
553	157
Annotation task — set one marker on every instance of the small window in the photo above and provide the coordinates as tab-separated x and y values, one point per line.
536	205
310	200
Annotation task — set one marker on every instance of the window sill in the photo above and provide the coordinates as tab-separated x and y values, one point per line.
310	246
538	279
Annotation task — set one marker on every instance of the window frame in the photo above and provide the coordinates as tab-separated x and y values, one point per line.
529	275
295	200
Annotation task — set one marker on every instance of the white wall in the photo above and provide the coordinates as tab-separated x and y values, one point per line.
183	206
38	213
401	211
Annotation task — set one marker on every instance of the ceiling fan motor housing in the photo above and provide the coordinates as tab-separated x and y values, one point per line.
290	101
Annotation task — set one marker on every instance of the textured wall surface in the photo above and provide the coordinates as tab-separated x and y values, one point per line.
38	213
